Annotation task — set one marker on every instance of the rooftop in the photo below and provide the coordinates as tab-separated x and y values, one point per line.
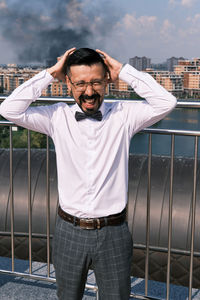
18	288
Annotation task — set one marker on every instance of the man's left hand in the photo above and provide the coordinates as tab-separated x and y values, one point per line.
113	65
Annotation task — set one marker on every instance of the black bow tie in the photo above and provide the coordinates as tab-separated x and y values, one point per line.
81	116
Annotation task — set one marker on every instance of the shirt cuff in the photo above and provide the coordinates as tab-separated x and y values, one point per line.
39	82
129	74
42	79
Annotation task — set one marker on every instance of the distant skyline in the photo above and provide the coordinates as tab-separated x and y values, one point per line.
34	31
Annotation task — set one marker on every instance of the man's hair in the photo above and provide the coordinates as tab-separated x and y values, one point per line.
83	56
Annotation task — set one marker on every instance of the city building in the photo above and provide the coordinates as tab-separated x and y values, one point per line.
187	66
119	89
12	81
183	81
169	80
140	63
191	81
56	89
173	61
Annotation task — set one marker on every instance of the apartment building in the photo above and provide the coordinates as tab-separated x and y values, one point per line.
169	80
191	82
172	62
119	89
56	89
12	81
140	63
13	76
183	82
187	66
190	70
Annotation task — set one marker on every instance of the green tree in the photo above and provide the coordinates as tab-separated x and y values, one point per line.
20	138
4	137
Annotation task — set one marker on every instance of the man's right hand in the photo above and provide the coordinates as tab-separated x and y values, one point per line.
113	65
57	70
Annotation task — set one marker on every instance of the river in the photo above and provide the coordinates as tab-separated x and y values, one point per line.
179	118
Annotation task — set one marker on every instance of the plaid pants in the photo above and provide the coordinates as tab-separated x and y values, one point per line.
108	251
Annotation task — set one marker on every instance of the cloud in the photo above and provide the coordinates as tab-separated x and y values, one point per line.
3	5
45	19
38	32
172	2
186	3
76	16
137	26
193	20
132	35
167	30
192	28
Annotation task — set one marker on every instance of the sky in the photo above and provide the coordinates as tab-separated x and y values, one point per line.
34	31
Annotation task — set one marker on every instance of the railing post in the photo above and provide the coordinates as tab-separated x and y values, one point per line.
29	202
97	295
12	200
170	216
148	216
48	206
193	217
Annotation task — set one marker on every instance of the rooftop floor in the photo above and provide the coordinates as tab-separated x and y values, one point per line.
18	288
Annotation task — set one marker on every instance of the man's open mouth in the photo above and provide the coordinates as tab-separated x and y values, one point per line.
89	100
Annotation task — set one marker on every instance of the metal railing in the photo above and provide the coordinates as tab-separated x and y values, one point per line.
150	132
172	133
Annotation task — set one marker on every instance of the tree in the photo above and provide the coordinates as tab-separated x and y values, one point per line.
20	138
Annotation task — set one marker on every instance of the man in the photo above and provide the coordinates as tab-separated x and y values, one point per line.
92	148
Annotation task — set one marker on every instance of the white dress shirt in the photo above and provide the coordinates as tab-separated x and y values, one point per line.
92	156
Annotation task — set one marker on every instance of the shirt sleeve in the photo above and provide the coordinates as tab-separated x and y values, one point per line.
16	108
157	104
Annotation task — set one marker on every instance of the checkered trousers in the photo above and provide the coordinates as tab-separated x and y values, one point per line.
108	251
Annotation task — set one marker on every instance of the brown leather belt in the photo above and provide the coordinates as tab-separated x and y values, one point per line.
96	223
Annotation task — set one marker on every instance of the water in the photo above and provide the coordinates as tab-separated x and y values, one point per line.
181	119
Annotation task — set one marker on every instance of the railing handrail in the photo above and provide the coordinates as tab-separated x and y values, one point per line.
145	130
70	100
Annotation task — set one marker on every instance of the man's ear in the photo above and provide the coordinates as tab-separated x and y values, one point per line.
69	88
68	82
107	78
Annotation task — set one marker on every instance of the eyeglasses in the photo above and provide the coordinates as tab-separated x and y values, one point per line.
82	85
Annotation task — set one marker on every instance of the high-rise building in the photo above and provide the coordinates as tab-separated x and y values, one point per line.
140	63
173	61
1	80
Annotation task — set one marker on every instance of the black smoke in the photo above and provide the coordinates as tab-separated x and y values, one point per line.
51	43
41	30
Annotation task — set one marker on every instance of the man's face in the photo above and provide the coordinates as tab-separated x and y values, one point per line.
87	84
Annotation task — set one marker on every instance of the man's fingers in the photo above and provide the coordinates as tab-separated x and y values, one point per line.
70	51
101	52
104	54
67	53
107	58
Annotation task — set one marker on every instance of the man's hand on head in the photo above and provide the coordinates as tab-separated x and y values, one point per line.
113	65
57	70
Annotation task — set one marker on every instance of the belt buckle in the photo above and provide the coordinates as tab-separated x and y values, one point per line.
87	223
